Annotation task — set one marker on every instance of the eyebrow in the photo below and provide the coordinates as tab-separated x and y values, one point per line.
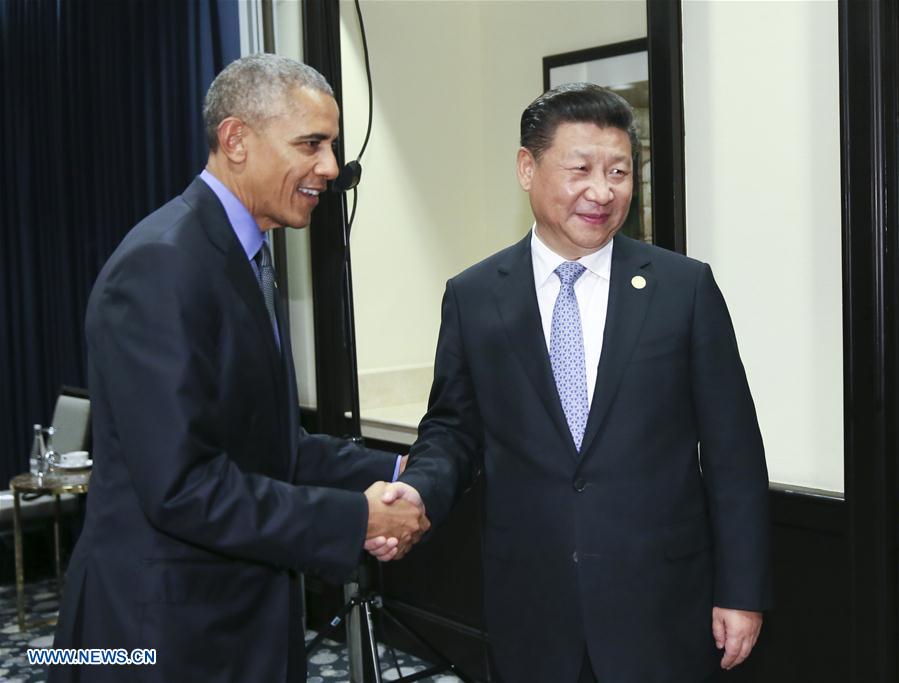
317	137
584	154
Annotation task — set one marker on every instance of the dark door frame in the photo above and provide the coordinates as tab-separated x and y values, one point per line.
868	113
666	123
335	364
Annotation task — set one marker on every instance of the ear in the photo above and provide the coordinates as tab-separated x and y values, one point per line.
231	133
525	165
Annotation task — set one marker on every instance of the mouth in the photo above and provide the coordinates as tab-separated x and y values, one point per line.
309	196
309	192
594	218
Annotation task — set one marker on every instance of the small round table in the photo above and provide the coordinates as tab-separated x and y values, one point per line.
55	483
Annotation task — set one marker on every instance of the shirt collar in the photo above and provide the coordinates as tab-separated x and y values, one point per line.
243	224
546	260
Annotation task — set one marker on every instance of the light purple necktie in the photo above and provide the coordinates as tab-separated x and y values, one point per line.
566	352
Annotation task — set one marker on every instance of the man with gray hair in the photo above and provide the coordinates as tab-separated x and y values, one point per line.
207	497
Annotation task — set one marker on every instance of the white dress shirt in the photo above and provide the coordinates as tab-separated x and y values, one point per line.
591	289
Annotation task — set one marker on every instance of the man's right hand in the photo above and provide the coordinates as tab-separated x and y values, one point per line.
395	523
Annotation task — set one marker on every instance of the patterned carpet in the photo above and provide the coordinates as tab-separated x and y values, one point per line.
328	665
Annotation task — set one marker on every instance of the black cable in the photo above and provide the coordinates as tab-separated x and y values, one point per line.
370	104
368	78
353	214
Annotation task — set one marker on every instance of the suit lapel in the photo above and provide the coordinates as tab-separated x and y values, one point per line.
626	312
237	267
516	298
241	276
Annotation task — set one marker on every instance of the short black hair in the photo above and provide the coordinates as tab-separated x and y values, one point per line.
575	103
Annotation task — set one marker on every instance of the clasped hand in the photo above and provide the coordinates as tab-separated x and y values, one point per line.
396	520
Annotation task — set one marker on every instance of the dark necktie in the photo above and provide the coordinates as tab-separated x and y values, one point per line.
266	273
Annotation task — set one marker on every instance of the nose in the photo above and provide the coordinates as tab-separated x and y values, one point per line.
600	190
328	168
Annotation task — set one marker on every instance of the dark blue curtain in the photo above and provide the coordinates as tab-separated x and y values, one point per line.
100	113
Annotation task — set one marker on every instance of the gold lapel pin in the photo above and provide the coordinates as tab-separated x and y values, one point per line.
638	282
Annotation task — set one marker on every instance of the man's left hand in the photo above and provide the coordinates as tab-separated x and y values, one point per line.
736	631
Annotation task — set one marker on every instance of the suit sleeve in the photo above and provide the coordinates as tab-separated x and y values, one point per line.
329	461
447	454
153	337
731	454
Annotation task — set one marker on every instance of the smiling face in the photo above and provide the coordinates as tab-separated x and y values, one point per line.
289	160
580	188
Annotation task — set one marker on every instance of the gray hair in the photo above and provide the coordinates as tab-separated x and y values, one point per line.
252	88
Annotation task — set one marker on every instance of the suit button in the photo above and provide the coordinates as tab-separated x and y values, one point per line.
579	484
574	556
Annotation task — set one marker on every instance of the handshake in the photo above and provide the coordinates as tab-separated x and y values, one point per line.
396	520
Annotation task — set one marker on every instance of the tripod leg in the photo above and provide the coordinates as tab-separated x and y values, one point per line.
373	646
396	663
354	651
442	659
332	626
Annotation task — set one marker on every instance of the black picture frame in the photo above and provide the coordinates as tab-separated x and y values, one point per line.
592	54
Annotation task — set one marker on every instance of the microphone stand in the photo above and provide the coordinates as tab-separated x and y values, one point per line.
361	585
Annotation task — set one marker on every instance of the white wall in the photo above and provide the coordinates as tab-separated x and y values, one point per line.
421	184
439	191
763	207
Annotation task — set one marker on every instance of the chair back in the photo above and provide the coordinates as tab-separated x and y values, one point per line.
72	420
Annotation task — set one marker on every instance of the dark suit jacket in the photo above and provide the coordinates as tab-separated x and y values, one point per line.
626	546
206	497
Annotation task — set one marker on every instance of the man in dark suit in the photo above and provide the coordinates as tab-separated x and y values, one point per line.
595	380
207	497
